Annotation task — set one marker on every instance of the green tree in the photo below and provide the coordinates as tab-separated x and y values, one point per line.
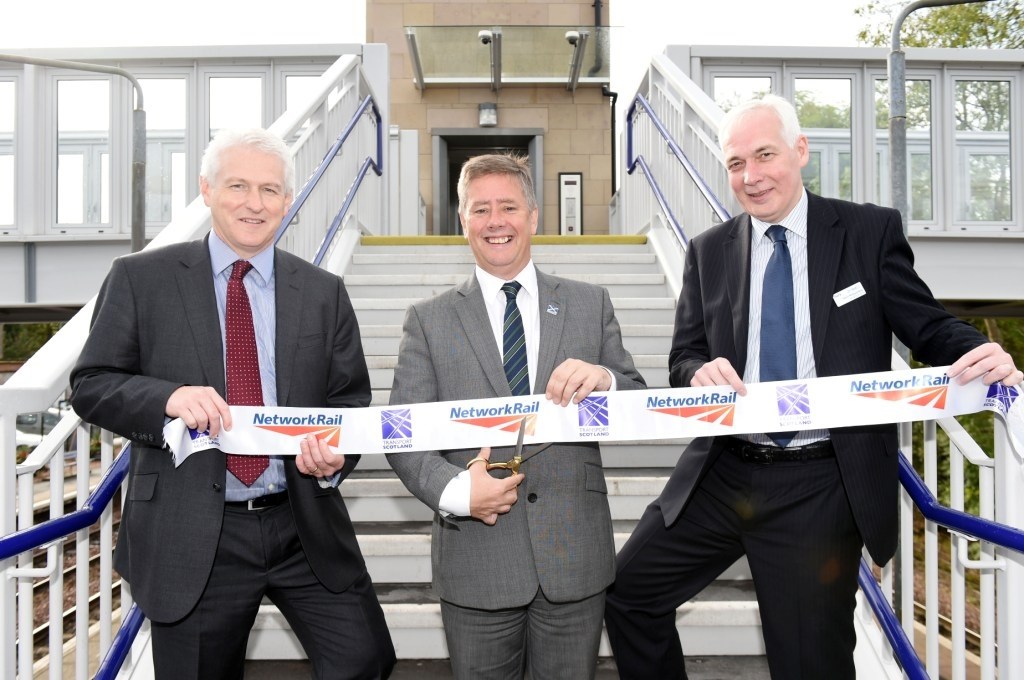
21	340
996	24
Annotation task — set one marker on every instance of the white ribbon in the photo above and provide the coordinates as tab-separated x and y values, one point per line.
627	415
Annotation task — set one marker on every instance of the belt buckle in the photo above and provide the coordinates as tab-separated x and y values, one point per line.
769	456
249	504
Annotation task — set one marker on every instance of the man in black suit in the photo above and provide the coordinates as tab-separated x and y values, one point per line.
203	543
801	512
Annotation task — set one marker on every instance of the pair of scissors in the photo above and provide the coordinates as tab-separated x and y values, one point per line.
517	454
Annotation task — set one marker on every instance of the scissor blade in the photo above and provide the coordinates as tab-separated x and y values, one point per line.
518	453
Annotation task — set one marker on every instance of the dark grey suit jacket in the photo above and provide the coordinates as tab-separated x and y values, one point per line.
156	328
847	243
561	540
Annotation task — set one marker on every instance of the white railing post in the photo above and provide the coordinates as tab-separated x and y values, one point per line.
1009	476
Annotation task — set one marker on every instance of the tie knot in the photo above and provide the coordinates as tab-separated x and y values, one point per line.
511	289
777	233
240	269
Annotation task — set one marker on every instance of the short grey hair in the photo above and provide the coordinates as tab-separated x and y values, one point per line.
782	109
254	138
514	166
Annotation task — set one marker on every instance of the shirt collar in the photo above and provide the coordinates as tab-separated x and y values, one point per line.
795	221
490	284
223	257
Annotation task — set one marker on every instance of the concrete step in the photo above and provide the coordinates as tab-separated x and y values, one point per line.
443	261
379	496
387	311
405	285
722	620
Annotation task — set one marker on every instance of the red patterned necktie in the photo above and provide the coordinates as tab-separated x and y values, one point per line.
244	386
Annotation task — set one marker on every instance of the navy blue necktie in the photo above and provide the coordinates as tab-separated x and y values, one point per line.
514	343
778	325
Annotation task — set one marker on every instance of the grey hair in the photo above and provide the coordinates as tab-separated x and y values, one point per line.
254	138
514	166
782	109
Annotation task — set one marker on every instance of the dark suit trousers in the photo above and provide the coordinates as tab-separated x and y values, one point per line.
344	634
793	522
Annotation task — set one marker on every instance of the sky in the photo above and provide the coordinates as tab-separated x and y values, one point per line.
642	27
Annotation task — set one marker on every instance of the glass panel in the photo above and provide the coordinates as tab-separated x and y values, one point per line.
823	106
981	110
299	91
921	194
733	90
528	53
83	139
811	173
166	114
8	105
235	102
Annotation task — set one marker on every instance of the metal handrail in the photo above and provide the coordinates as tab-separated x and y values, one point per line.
632	162
902	647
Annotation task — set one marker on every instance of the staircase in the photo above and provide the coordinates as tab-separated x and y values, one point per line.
385	276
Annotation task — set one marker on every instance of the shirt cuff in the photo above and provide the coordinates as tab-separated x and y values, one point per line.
454	500
611	376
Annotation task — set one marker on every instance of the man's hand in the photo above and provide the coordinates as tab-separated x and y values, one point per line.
719	372
988	360
316	458
573	380
488	496
201	408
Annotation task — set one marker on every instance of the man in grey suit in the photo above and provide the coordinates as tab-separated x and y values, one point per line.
203	543
801	509
521	583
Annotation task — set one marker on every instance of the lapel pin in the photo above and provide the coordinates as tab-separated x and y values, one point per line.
553	310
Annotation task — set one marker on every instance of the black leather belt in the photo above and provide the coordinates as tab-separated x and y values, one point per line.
756	453
262	502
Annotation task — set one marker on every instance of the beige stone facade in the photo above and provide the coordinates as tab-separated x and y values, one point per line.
576	126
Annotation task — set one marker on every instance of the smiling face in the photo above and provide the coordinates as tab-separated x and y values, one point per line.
764	171
498	224
247	199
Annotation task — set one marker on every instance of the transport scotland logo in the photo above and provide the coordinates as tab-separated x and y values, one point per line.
712	407
793	400
396	424
1001	397
593	412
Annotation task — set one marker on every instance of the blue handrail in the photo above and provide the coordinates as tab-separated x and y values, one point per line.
632	162
902	647
59	527
121	645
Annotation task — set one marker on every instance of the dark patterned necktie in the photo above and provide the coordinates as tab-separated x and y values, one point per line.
244	386
778	325
514	343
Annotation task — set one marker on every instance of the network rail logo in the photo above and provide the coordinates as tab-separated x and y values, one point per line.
593	417
396	428
323	426
919	390
711	407
505	417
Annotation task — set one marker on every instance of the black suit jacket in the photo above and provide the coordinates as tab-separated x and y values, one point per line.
847	243
155	328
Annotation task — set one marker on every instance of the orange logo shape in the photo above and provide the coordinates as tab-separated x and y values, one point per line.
331	435
935	397
503	423
721	415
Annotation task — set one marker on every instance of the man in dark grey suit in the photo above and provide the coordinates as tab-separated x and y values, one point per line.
801	512
521	583
199	545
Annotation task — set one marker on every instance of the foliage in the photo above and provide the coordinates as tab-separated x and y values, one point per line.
20	341
996	24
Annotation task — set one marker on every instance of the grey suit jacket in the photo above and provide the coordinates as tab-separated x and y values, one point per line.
156	328
559	534
847	243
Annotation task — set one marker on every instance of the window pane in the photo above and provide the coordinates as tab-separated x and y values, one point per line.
166	104
235	102
811	173
823	106
981	111
83	139
730	91
8	105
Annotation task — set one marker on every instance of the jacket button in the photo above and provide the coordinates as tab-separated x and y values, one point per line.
217	487
532	497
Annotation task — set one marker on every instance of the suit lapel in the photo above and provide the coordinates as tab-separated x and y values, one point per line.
736	263
472	313
825	237
288	303
195	285
551	325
